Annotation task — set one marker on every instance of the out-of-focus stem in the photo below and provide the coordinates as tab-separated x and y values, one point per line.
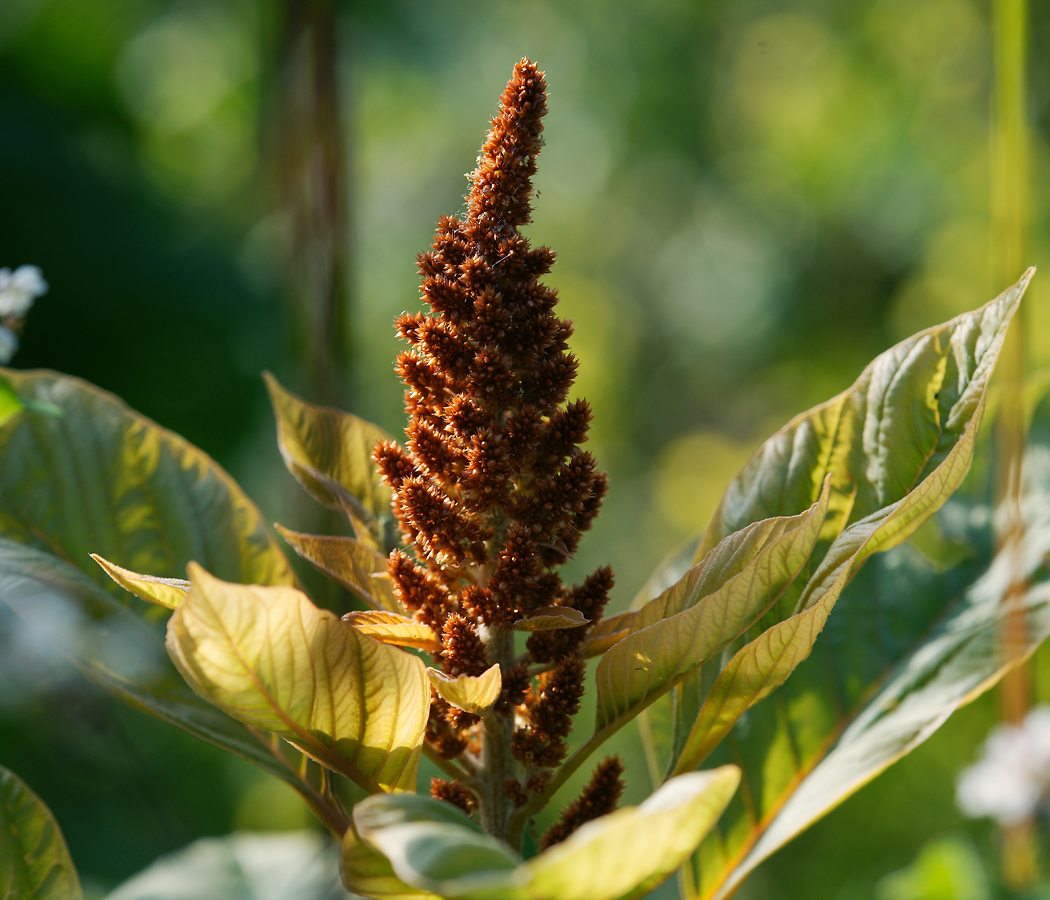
313	183
1009	207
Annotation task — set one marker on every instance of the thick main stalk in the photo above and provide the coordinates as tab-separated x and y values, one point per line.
497	732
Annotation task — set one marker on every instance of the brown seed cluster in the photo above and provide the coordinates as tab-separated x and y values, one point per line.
492	492
599	798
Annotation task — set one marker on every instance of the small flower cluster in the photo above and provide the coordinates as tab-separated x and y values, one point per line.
1011	782
18	290
492	492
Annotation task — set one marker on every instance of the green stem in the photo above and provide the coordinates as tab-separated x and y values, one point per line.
497	734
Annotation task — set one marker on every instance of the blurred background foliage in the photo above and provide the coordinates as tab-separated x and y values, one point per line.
749	200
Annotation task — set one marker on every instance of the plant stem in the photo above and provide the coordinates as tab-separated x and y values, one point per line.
497	733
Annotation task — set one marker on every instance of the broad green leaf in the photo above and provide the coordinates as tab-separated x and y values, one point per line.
882	436
895	445
330	453
883	678
168	592
117	650
34	860
471	693
683	628
394	628
940	673
762	665
270	658
296	865
552	618
620	856
10	402
354	565
100	478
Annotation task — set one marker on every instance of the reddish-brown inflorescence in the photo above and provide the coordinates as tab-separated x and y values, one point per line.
599	798
492	491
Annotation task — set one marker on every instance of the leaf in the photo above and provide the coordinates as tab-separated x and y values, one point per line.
471	693
606	632
394	628
368	873
10	402
296	864
168	592
765	663
330	453
435	847
679	630
34	860
879	438
355	566
552	618
840	748
270	658
117	650
103	479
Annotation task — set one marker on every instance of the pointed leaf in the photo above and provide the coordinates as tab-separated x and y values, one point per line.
34	860
167	592
330	453
270	658
765	663
355	566
882	436
552	618
933	676
394	628
100	478
621	856
661	651
470	693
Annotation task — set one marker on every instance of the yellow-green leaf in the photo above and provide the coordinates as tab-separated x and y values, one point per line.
552	618
394	628
471	693
10	402
607	632
100	478
270	658
355	566
368	873
879	438
620	856
679	630
34	860
330	453
168	592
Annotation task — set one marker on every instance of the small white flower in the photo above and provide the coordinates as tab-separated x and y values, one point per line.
1011	782
8	345
19	289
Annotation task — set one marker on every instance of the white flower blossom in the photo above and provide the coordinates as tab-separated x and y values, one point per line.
19	289
8	345
1011	781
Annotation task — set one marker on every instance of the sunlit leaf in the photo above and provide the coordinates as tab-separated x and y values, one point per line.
34	860
300	864
367	872
330	453
552	618
840	733
471	693
355	566
621	856
762	665
882	436
607	632
683	628
394	628
270	658
168	592
102	479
